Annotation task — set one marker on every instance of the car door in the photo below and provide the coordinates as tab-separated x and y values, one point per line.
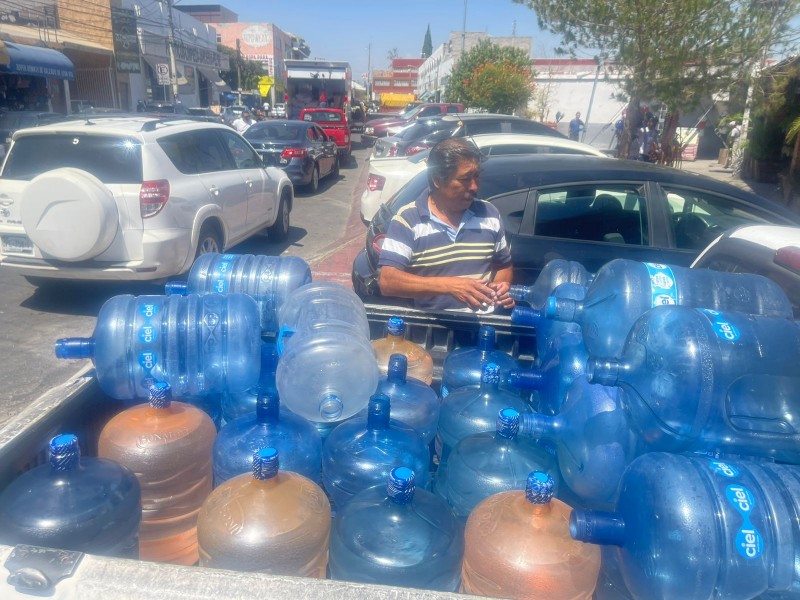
262	197
325	149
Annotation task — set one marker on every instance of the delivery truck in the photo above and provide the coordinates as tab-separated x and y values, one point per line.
310	83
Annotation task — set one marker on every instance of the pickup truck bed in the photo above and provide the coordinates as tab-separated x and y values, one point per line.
79	406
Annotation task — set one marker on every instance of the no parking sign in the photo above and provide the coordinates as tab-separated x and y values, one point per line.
162	72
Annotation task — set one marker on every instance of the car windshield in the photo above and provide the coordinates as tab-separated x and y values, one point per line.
110	159
271	132
322	116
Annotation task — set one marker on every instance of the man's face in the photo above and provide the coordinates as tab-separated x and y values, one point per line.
458	192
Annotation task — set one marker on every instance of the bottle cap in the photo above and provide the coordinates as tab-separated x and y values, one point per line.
160	395
265	463
490	373
508	423
396	326
539	489
401	486
551	306
64	452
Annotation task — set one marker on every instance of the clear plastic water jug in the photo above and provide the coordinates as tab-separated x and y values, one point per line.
198	344
420	362
320	304
463	366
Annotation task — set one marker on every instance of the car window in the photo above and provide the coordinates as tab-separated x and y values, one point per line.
111	159
322	116
321	135
195	152
311	134
512	209
482	126
698	217
274	130
452	109
608	213
244	157
428	111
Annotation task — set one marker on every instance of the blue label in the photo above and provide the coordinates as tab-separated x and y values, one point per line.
663	289
148	360
148	334
224	266
445	391
724	469
148	310
722	327
749	542
220	286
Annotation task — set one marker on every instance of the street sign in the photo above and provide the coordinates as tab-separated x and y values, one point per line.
162	72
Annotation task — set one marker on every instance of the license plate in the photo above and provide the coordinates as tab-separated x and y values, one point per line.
17	244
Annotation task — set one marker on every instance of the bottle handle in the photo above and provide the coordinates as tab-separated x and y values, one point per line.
284	332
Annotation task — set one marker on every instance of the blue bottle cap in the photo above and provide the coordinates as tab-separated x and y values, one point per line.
398	367
400	486
396	326
160	395
508	423
64	452
265	463
539	489
486	338
490	373
551	306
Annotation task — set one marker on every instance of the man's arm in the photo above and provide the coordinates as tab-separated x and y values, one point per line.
472	292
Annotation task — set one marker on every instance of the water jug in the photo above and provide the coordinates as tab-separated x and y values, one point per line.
565	361
517	545
420	362
359	454
484	464
396	534
699	379
198	344
296	439
327	369
463	366
168	445
471	410
554	273
211	404
267	279
413	402
237	404
592	438
624	289
73	503
697	527
269	520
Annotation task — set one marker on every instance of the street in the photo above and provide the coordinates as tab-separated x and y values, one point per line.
325	231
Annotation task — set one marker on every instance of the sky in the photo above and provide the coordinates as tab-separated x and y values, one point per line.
363	32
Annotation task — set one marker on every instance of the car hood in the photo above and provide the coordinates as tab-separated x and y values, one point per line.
387	122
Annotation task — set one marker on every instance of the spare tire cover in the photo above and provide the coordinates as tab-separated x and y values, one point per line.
69	214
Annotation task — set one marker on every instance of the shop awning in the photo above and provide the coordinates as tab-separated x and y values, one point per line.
214	78
34	61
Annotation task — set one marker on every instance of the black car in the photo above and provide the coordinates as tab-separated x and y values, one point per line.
591	210
301	148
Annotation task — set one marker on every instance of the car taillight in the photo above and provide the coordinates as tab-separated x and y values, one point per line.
375	183
416	149
377	242
392	151
153	195
788	257
293	153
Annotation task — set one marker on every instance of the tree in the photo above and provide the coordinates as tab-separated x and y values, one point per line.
391	55
677	52
427	45
491	77
251	70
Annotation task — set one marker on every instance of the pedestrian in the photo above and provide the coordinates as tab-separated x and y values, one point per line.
649	141
576	127
447	250
733	141
244	122
265	106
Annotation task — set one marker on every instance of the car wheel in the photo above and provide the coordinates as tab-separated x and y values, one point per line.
313	185
335	171
209	241
279	231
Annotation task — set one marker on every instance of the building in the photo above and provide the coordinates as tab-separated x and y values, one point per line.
209	13
401	78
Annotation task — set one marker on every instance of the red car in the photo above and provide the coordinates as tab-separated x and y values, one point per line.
334	123
378	128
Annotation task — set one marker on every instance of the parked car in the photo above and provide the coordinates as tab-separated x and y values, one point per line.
333	122
166	108
301	148
377	128
387	175
415	139
205	114
132	198
11	120
769	250
590	210
231	113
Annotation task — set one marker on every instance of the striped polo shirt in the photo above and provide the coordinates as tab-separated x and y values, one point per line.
419	243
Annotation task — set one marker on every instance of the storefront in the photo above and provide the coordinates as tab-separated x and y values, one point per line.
34	78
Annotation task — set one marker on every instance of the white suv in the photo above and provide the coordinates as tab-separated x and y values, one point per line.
132	197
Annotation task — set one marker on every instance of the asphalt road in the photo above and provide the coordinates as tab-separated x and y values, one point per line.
325	231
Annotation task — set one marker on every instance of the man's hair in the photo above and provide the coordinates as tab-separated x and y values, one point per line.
445	157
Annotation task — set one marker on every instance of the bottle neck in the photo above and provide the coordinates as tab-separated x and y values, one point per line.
525	379
539	426
75	348
597	527
522	315
563	309
604	371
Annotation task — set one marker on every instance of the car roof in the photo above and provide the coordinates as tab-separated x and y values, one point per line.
113	124
478	116
533	139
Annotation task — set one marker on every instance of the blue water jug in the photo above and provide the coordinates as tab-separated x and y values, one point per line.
548	330
399	535
267	279
413	402
471	410
361	453
699	379
554	273
463	366
296	439
484	464
73	503
624	289
237	404
565	361
198	344
592	438
691	527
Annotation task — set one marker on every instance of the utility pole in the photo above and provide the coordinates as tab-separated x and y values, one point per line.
464	28
173	73
369	72
239	68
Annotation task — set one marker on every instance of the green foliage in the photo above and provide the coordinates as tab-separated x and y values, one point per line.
427	45
250	70
491	77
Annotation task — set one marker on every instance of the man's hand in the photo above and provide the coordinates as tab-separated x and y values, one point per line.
475	294
501	297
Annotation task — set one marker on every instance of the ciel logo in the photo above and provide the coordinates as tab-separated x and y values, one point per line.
149	310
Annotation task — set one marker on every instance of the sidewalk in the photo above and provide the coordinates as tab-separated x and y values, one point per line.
712	168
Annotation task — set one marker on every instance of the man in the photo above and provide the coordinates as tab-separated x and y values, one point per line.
244	122
447	250
576	126
733	140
